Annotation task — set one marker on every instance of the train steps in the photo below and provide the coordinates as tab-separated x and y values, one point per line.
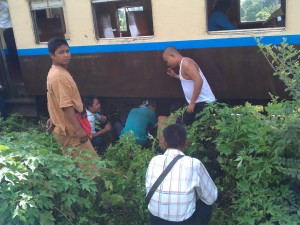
23	106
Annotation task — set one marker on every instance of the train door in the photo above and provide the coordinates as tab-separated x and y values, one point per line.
11	79
10	65
4	74
14	98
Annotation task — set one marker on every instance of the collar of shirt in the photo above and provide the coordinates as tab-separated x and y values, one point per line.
88	113
173	152
96	115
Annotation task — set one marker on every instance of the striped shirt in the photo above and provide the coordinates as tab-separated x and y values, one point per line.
175	198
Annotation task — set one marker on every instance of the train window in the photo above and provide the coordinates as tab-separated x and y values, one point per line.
114	19
245	14
48	19
267	13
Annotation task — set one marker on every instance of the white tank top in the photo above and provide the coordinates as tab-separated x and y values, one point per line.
206	94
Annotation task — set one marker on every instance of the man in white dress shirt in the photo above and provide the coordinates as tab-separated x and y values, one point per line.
186	194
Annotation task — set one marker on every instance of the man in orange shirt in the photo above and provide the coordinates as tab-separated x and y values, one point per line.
64	101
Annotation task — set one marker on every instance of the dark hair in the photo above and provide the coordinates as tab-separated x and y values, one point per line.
175	136
222	5
56	42
88	101
149	102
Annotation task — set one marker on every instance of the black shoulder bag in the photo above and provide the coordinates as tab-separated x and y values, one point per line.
161	178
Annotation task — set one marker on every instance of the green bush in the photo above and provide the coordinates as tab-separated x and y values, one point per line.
284	59
253	149
131	162
41	186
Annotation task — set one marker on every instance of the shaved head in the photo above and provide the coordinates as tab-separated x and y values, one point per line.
170	51
172	57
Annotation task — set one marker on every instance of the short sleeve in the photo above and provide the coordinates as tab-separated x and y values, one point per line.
206	188
63	92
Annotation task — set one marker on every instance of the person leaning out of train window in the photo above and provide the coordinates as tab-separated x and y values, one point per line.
218	19
277	18
141	121
99	123
195	87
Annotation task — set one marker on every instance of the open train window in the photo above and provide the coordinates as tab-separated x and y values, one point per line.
48	19
123	18
245	14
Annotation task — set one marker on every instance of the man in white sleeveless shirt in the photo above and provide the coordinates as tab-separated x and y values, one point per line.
195	87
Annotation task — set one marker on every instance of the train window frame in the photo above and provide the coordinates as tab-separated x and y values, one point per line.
107	19
45	13
254	27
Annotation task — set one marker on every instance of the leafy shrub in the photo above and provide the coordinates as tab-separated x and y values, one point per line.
14	122
253	149
284	59
131	162
41	186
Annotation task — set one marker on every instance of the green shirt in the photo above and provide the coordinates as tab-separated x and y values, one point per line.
138	121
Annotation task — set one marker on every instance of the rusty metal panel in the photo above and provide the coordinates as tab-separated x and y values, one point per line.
233	73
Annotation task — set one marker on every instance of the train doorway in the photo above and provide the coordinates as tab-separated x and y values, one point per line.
14	98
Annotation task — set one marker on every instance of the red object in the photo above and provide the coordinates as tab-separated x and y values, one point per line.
82	118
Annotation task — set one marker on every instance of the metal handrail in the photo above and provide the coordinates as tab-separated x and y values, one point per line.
7	81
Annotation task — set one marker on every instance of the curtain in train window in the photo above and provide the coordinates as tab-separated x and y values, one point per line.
48	19
131	18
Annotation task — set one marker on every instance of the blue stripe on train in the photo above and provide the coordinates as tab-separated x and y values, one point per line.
157	46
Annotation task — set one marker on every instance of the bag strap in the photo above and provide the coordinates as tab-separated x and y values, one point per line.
161	178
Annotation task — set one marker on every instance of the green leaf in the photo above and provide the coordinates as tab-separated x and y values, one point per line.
47	218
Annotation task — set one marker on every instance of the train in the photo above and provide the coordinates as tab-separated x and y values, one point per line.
117	46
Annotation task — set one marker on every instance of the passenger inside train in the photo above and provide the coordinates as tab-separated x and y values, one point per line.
245	14
218	19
